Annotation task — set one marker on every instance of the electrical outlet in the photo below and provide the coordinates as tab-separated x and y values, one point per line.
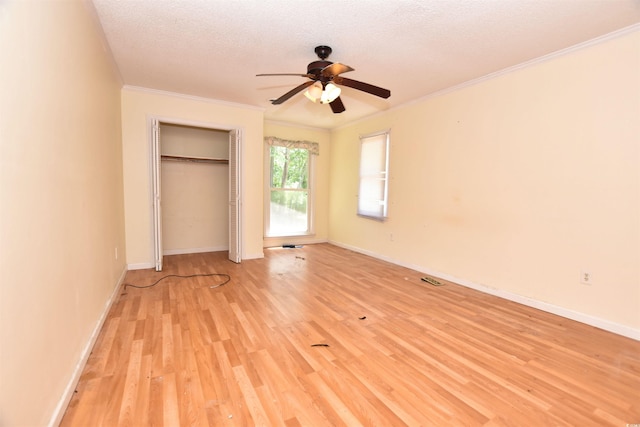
391	237
586	277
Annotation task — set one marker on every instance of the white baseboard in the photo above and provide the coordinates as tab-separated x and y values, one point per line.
60	409
147	265
195	250
141	266
257	255
587	319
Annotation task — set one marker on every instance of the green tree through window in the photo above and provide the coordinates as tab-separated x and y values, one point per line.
289	191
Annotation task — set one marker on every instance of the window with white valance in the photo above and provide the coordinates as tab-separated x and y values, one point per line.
289	186
312	147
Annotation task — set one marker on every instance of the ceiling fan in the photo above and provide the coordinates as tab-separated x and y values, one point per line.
324	76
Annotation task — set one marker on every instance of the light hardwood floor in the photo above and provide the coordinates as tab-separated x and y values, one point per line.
400	351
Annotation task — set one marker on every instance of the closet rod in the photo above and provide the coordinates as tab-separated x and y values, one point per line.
194	159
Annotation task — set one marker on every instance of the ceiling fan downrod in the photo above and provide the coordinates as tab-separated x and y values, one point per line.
323	52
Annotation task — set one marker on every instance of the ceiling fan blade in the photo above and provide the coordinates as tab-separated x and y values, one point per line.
292	92
335	69
365	87
337	106
285	74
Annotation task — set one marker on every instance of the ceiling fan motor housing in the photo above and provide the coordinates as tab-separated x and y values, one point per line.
316	67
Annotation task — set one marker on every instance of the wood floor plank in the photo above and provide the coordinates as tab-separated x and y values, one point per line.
142	404
170	408
253	403
397	351
130	393
156	402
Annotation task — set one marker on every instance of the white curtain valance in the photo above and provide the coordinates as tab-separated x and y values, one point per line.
313	147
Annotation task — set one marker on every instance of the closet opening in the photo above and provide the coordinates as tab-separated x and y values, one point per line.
196	190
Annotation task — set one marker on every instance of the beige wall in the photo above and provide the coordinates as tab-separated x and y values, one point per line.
322	163
195	207
516	184
193	141
137	107
61	197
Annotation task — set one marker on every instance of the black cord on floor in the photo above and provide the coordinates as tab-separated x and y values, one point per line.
183	277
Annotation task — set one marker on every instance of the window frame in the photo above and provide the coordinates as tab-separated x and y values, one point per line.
374	138
310	193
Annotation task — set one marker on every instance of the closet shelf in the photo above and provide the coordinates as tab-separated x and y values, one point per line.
194	159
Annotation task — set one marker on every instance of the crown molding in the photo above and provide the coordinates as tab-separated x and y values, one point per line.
527	64
192	98
296	126
536	61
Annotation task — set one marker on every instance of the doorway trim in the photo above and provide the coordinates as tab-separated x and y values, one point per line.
235	199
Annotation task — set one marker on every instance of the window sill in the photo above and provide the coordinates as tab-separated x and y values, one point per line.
287	236
375	218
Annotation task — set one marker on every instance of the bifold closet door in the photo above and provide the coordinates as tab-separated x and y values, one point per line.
157	205
234	196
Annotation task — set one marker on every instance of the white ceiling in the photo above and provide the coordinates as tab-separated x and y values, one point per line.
215	48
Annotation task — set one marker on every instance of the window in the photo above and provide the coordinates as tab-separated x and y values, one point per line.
289	187
374	175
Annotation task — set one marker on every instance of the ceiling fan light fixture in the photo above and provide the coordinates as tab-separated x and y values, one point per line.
331	92
314	93
321	88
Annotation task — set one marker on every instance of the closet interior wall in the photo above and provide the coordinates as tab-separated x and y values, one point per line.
195	189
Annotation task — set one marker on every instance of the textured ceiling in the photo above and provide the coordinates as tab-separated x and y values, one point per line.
214	48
